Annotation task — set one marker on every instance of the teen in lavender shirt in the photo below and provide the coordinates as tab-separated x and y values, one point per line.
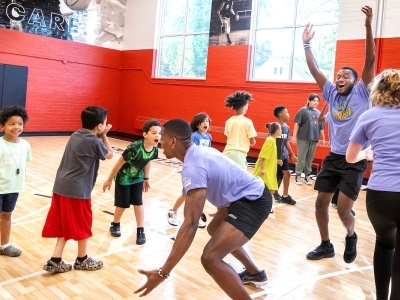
381	126
347	100
243	201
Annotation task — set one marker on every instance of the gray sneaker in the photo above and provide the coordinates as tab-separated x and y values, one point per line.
60	267
10	251
308	180
297	180
258	280
88	264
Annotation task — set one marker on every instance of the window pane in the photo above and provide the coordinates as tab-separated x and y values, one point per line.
198	18
173	20
272	54
195	58
170	63
275	13
317	11
323	46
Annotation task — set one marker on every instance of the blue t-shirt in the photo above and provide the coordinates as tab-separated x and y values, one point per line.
381	127
344	112
225	181
201	140
281	142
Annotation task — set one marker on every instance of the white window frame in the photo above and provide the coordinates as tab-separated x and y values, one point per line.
294	26
184	35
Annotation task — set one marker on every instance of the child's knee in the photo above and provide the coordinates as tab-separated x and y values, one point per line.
5	215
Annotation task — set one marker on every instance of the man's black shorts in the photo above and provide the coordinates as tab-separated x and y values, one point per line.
337	173
248	215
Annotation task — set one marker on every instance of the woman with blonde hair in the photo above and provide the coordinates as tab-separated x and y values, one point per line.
380	126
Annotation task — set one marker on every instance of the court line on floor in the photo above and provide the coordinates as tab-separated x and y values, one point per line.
313	279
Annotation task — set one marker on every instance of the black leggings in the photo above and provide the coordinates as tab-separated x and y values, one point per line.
383	210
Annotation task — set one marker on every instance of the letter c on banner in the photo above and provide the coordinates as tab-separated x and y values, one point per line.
15	12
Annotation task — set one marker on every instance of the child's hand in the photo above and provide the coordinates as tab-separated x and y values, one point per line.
280	162
146	186
107	184
107	129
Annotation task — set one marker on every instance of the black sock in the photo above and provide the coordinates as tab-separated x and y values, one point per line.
82	259
327	243
56	259
115	224
140	229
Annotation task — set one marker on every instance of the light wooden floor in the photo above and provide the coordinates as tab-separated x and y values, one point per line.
279	247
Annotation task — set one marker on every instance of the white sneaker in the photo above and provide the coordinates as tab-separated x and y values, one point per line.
308	180
172	217
297	180
202	224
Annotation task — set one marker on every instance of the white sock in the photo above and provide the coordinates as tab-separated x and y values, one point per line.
2	247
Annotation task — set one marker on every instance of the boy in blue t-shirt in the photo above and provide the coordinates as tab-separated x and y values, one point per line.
200	136
131	174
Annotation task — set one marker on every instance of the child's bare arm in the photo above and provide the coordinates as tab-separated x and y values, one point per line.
146	183
104	138
107	184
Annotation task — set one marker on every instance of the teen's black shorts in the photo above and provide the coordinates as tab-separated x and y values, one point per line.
337	173
248	215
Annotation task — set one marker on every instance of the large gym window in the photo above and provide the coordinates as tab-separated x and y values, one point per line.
278	46
183	38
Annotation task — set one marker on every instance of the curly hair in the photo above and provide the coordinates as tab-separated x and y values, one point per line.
237	100
198	119
11	111
386	89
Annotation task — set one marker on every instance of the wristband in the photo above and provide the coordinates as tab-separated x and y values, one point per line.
162	274
145	178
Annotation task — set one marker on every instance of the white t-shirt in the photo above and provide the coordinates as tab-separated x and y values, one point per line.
13	157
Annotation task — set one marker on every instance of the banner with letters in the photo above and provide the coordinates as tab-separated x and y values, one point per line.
94	22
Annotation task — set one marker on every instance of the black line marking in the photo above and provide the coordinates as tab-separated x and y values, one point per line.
108	212
43	196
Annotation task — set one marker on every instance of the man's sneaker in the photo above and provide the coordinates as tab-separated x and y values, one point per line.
140	238
258	280
308	180
297	180
202	224
172	217
277	197
203	217
10	251
115	230
288	200
350	251
322	251
88	264
60	267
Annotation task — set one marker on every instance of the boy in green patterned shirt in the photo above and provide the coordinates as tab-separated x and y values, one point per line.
131	174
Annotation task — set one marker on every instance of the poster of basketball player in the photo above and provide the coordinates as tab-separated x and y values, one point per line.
95	22
230	22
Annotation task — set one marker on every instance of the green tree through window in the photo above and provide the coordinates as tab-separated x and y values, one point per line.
183	42
278	44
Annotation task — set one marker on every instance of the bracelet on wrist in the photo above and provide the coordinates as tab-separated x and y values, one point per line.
162	274
145	178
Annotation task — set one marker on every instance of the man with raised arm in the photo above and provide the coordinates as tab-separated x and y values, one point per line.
347	100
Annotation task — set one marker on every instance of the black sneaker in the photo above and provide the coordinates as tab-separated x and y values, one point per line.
288	200
115	230
350	251
140	238
258	280
320	252
277	197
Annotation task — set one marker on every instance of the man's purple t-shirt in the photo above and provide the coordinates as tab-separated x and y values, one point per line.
225	181
381	127
344	112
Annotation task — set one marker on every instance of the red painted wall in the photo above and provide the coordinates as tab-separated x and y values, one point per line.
57	92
